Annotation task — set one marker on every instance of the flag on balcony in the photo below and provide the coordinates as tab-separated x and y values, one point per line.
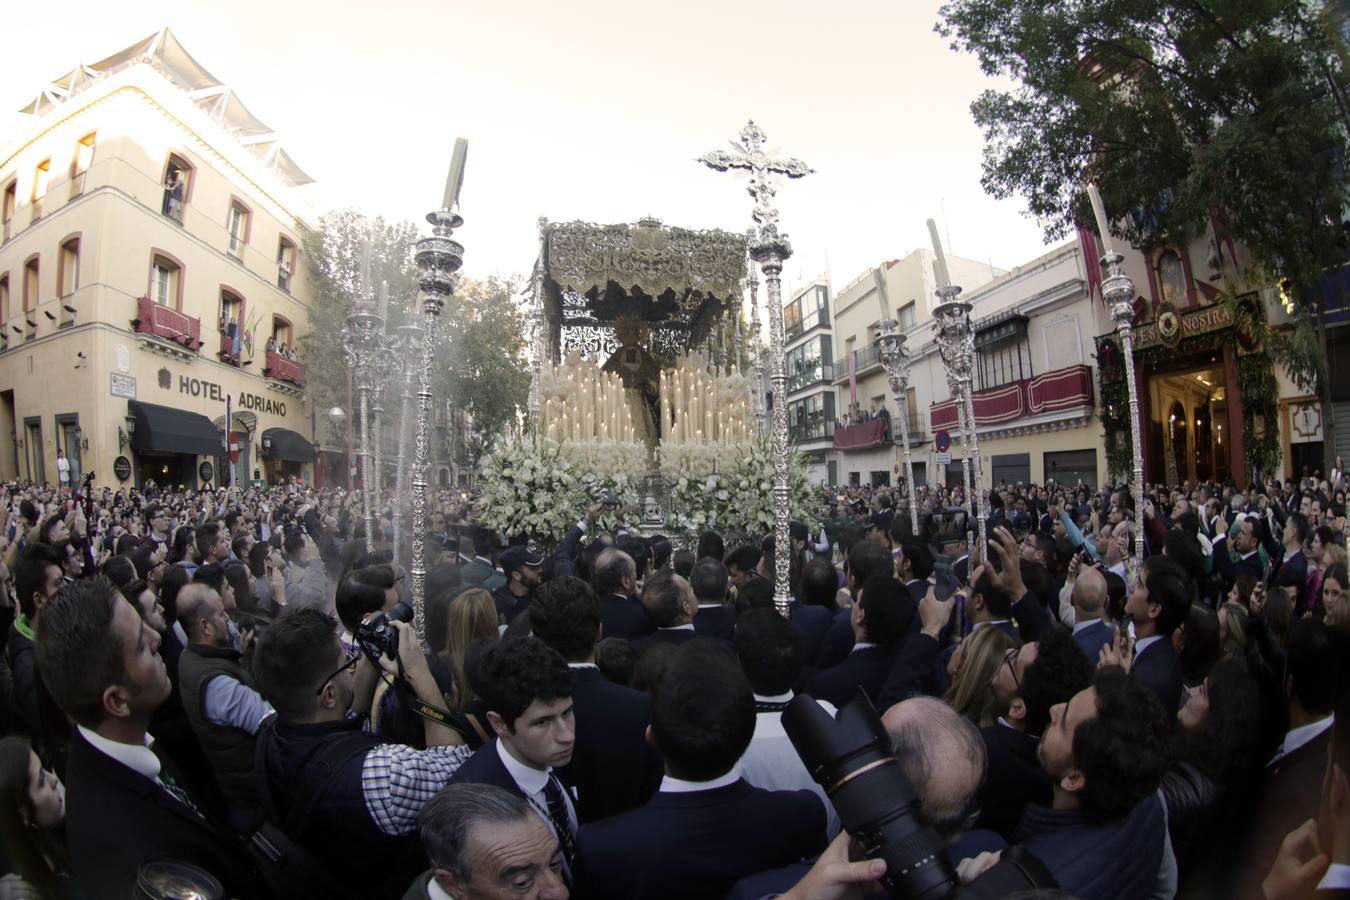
852	378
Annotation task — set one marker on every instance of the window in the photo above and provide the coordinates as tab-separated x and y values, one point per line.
4	298
281	334
811	418
1072	467
177	187
40	179
7	207
238	227
1172	278
84	156
809	363
1002	354
231	325
165	281
30	284
907	317
285	264
68	273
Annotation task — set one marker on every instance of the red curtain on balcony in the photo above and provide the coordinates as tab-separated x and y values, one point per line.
860	436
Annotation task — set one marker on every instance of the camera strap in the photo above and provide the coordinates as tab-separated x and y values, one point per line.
439	716
768	706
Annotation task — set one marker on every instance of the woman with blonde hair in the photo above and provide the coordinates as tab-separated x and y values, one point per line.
472	615
972	669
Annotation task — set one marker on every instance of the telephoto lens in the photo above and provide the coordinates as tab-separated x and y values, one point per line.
850	757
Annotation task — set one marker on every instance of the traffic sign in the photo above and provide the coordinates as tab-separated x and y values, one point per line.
942	441
944	459
234	446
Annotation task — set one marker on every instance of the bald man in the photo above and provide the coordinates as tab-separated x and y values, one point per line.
943	756
1089	599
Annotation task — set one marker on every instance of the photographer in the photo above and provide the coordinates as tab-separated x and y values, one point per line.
365	794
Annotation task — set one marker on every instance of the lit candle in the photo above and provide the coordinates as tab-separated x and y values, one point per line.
940	260
454	179
1099	211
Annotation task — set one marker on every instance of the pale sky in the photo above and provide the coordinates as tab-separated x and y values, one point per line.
591	109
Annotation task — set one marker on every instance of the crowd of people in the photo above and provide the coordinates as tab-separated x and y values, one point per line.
226	685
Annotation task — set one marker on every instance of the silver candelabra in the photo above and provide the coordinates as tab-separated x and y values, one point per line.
386	363
361	340
890	343
956	345
770	249
438	259
756	357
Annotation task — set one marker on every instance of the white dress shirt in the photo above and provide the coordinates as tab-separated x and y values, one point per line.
672	785
532	782
1297	737
1143	644
1337	876
772	763
136	757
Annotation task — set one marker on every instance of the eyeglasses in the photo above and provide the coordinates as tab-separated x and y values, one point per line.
352	660
1010	660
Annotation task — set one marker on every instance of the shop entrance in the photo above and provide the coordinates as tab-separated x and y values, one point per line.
166	469
1188	430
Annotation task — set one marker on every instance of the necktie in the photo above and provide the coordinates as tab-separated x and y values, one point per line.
557	813
170	784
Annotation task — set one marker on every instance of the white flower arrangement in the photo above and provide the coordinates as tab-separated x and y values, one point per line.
535	487
729	487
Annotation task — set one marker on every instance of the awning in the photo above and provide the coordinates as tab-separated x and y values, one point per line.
287	445
168	430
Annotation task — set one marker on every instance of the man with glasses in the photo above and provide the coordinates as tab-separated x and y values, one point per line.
1032	678
367	793
158	517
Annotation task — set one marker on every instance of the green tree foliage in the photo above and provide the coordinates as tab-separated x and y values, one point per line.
483	368
1184	112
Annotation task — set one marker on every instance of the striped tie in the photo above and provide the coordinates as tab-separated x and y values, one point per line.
562	822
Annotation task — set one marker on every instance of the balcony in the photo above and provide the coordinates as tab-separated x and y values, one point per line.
794	326
279	368
867	358
228	352
863	435
155	320
1062	391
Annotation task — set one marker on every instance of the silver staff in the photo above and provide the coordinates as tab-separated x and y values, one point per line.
409	341
770	249
1118	290
360	339
438	259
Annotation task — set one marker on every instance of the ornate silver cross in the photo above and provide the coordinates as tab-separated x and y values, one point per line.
750	157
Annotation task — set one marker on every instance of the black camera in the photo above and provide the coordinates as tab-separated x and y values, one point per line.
850	757
377	636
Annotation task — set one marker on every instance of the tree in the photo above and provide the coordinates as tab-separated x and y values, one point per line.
482	341
1184	112
333	255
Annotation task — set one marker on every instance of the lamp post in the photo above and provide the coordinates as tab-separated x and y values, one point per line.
438	259
1118	291
360	340
770	249
956	345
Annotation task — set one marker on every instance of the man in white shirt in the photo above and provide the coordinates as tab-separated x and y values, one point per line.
770	653
527	688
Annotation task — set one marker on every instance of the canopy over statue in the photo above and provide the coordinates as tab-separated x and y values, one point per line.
635	298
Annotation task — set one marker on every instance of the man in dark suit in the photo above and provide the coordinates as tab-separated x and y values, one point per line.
480	838
1314	671
1293	564
614	768
812	615
706	827
520	565
880	619
1089	599
716	617
866	559
527	689
1158	603
670	605
913	566
615	583
1031	680
124	804
480	572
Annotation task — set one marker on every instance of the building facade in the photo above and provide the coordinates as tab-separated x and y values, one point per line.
809	357
150	280
865	440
